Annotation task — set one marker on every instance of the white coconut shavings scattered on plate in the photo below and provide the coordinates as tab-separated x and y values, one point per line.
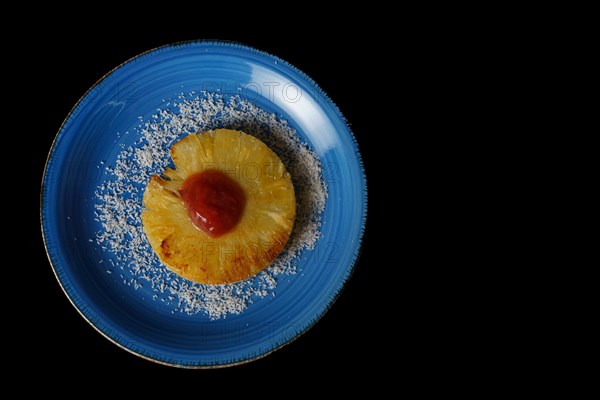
119	201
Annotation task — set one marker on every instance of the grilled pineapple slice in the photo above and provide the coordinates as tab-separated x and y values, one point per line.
248	244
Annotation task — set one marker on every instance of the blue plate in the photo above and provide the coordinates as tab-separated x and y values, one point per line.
87	141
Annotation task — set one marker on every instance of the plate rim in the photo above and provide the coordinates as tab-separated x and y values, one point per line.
357	153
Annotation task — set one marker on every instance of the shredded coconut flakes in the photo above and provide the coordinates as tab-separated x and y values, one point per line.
119	201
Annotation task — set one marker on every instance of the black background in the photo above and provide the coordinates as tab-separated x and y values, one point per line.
349	338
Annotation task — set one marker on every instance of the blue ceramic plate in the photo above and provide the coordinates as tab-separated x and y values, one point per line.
99	128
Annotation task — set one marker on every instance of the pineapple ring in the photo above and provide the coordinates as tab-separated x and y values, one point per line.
263	229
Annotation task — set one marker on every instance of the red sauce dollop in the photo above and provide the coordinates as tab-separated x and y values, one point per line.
214	201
